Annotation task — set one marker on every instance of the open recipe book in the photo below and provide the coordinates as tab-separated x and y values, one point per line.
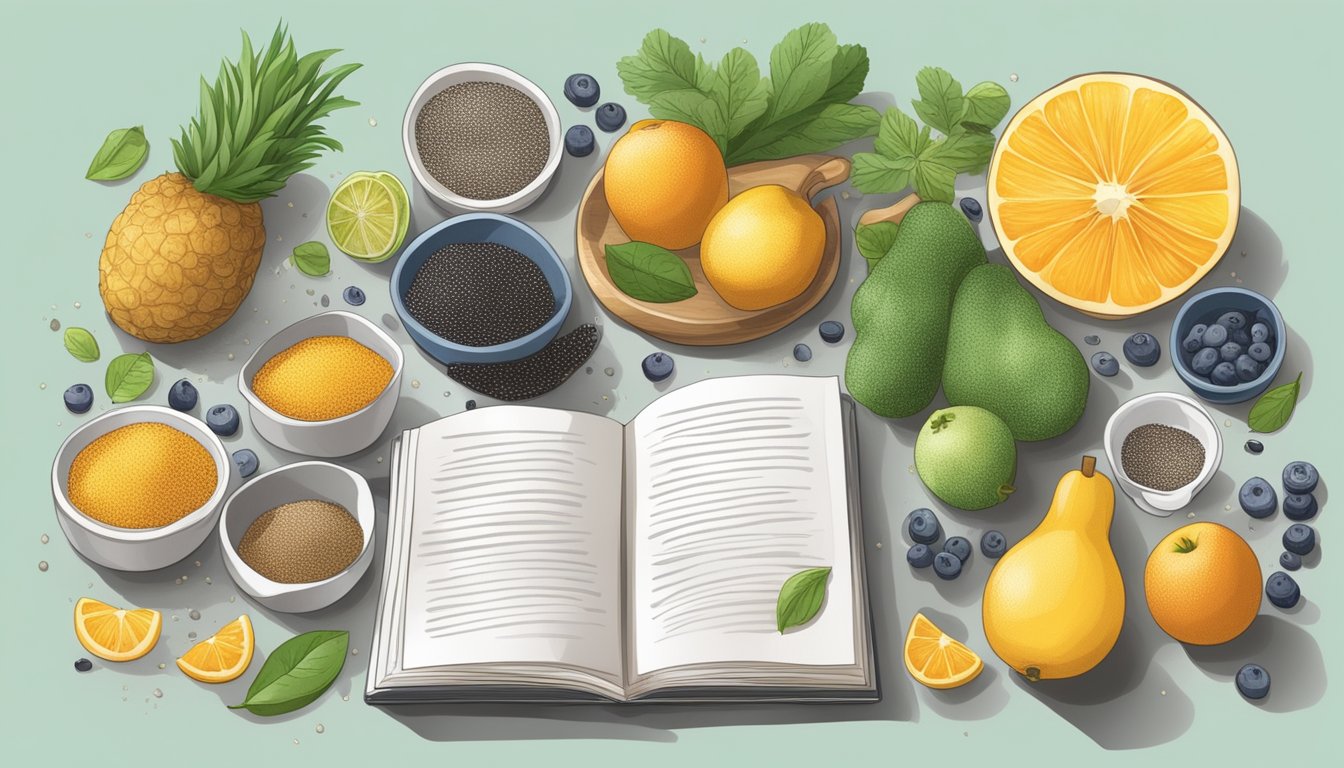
546	555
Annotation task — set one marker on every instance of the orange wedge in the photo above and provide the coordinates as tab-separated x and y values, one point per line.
221	657
937	660
116	634
1113	193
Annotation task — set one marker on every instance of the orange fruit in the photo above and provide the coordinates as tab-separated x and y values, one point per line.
763	248
664	181
1202	583
221	657
937	660
1113	193
116	634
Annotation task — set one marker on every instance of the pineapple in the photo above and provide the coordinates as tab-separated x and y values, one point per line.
181	257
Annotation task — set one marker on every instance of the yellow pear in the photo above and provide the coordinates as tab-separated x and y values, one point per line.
1054	603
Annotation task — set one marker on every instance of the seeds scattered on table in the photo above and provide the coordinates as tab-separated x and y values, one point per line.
534	375
1162	457
143	475
321	378
480	294
483	141
302	542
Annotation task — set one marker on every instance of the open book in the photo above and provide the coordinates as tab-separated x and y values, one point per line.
546	555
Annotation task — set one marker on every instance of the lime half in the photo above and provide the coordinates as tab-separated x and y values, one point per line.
368	215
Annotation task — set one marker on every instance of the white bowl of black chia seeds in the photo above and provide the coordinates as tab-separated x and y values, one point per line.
1163	448
480	137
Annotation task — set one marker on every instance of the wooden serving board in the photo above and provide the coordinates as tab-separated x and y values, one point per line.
705	319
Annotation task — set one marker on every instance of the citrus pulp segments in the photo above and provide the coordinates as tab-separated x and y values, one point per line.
368	215
116	634
935	659
223	656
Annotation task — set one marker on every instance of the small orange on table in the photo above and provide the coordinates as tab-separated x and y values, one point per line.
935	659
116	634
223	656
1202	583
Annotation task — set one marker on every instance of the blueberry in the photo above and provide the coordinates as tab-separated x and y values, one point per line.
1259	332
1282	590
1105	364
222	419
802	353
1257	498
831	331
353	295
1232	320
971	207
1262	315
1253	681
1299	539
1290	561
1260	352
1194	338
1299	506
579	140
1256	447
182	396
657	366
1091	340
1300	477
946	565
1214	336
993	544
471	405
1224	375
1229	352
582	90
959	546
1142	349
610	116
1204	361
923	526
246	462
1248	369
83	665
1240	336
919	556
79	398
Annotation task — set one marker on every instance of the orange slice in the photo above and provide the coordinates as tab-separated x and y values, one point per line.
116	634
937	660
1113	193
221	657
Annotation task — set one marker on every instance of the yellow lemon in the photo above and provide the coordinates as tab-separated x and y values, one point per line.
763	248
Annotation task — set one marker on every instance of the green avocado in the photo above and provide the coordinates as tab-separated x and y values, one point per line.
1002	356
901	312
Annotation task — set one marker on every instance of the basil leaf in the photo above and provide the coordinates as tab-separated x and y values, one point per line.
817	129
81	345
874	240
312	258
123	152
849	69
739	91
940	103
1275	407
986	104
876	174
800	598
649	273
663	63
296	673
963	151
128	376
800	69
898	135
935	181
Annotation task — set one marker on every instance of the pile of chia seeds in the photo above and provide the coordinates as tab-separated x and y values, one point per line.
479	294
483	141
532	376
1162	457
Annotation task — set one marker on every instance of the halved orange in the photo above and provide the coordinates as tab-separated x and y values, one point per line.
116	634
1113	193
937	660
221	657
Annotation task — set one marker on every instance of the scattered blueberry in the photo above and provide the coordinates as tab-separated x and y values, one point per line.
1259	333
1224	375
1240	336
923	526
1290	561
657	366
1232	320
1257	498
959	546
222	419
1142	349
802	353
182	396
946	565
1105	364
919	556
1204	361
1253	681
1281	589
610	116
831	331
471	405
83	665
245	459
1299	506
79	398
1300	477
353	295
579	140
971	207
993	544
1214	336
582	90
1092	340
1260	352
1247	368
1229	352
1299	539
1256	447
1194	340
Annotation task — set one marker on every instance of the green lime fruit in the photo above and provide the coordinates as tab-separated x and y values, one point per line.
966	456
368	215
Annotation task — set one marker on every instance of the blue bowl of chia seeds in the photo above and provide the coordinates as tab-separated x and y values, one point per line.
1205	309
498	235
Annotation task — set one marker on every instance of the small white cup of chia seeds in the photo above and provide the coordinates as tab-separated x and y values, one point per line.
1161	429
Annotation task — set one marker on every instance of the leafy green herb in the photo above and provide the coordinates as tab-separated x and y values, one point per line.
312	258
123	152
874	240
296	673
128	376
1275	407
800	598
802	107
649	273
81	345
906	155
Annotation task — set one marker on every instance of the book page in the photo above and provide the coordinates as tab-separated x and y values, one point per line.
735	485
515	551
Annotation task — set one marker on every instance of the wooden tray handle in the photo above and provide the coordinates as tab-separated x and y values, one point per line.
893	213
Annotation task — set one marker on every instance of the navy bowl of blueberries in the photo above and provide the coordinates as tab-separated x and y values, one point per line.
1228	344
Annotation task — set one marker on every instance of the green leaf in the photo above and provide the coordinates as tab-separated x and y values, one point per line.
934	181
817	129
963	152
664	63
940	103
874	240
128	376
649	273
876	174
800	69
296	673
800	598
1275	407
739	92
898	135
312	258
123	152
849	69
692	107
986	104
81	345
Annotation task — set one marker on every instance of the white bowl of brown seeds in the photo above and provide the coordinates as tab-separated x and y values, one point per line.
480	137
1163	448
300	537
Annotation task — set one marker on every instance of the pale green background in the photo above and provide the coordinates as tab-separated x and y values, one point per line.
1268	72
